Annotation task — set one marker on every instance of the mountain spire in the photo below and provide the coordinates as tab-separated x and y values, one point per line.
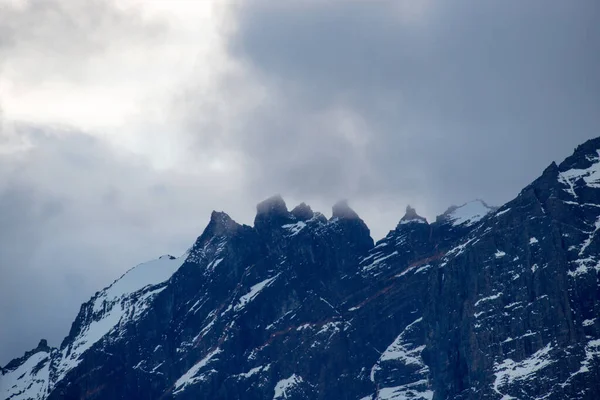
342	210
412	216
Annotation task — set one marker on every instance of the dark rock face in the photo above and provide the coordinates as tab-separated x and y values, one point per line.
483	303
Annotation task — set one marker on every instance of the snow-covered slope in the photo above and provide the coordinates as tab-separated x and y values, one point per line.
27	381
123	301
468	214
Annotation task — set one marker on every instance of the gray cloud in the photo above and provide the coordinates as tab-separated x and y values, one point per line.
50	33
461	101
75	213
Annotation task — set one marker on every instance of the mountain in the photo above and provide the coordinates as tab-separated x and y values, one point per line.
482	303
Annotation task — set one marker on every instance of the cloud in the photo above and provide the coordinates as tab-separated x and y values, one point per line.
89	181
453	103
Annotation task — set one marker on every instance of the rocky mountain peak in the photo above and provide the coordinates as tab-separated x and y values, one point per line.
585	155
273	206
342	210
272	212
42	347
411	216
302	212
220	224
576	178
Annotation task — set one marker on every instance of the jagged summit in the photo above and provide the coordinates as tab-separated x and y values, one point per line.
222	221
342	210
466	214
42	347
272	212
411	216
275	209
584	155
273	206
574	178
303	212
220	224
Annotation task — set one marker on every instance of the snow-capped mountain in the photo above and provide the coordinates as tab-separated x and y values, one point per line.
483	303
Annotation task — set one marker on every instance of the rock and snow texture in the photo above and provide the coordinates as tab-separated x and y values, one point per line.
254	291
123	301
400	372
509	372
144	275
195	373
411	216
411	391
295	228
472	306
468	214
28	381
285	387
574	177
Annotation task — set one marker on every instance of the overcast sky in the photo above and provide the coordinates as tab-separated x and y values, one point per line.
124	123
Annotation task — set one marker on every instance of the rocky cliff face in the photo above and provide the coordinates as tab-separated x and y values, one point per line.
483	303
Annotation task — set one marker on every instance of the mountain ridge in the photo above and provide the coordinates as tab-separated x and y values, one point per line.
497	303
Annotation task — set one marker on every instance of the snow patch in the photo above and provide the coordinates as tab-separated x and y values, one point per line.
509	372
379	260
214	263
123	301
534	268
294	229
412	391
588	241
499	213
458	250
303	327
330	326
255	371
284	386
493	297
584	266
139	277
499	254
191	376
469	213
423	268
397	351
254	291
403	350
413	221
592	350
590	175
23	383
